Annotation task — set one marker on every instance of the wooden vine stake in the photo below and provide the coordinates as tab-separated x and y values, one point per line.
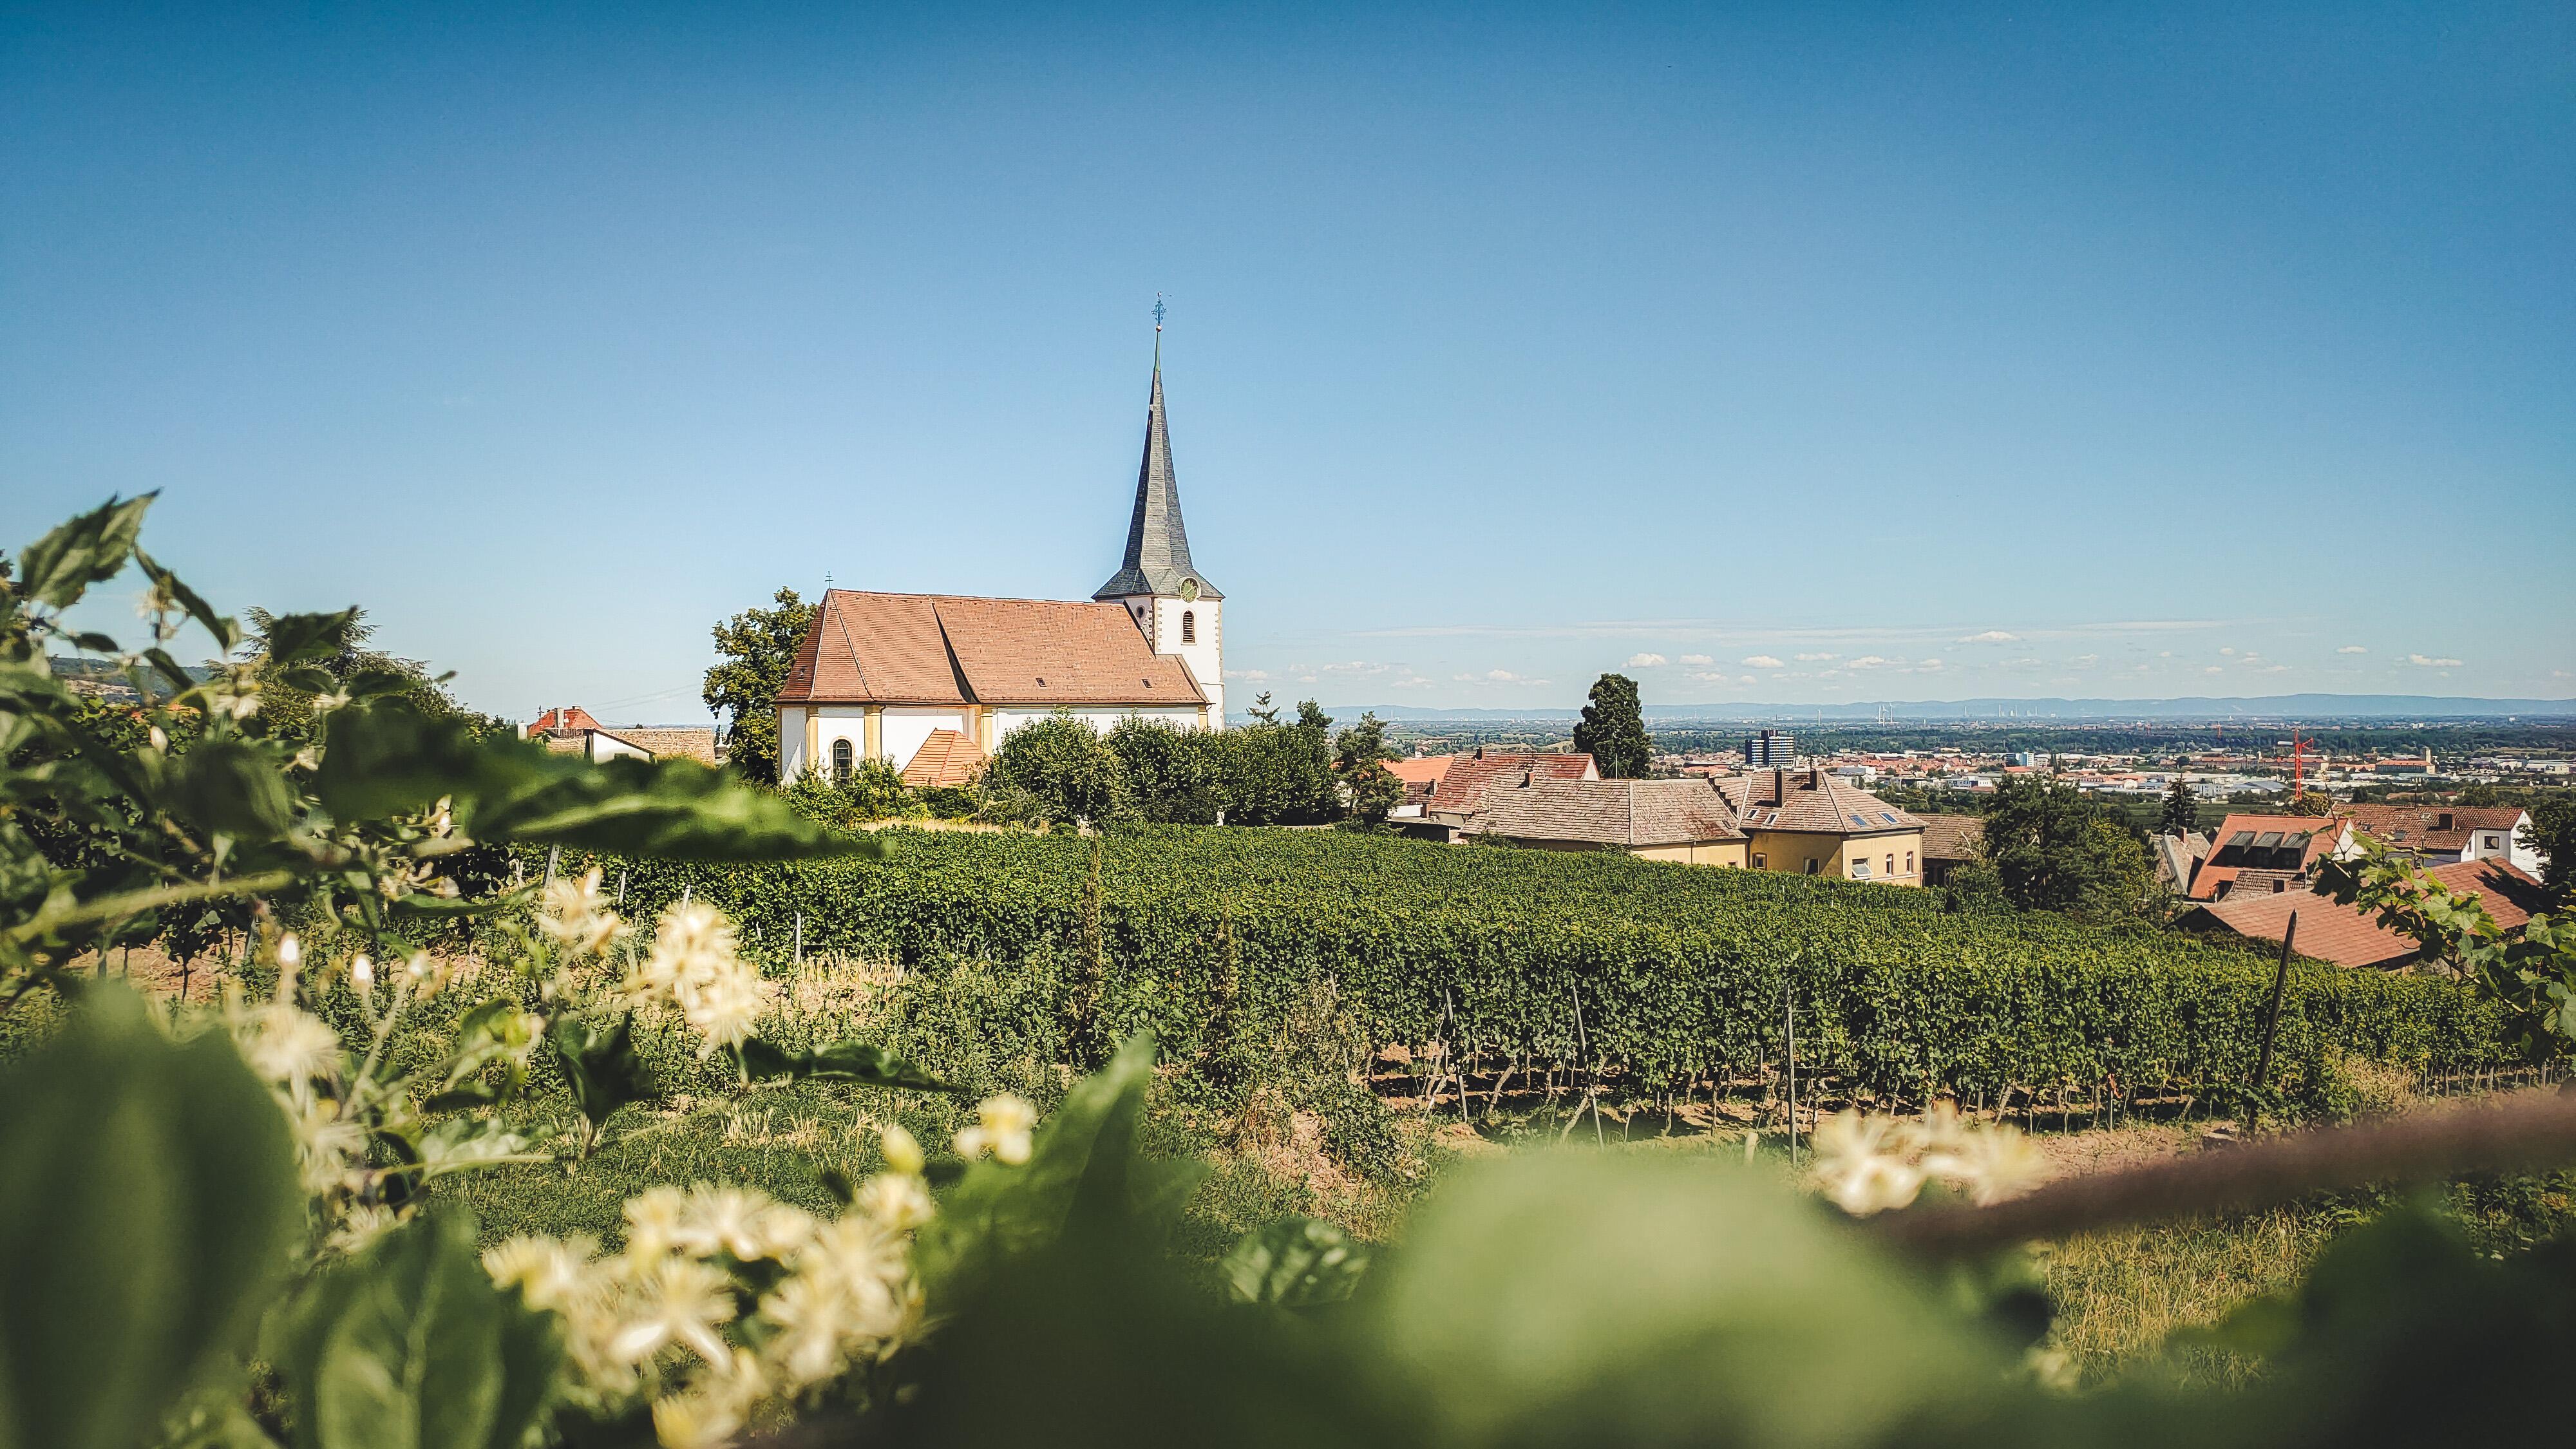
2272	1021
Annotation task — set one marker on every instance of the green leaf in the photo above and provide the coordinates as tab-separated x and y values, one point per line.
227	633
59	567
1294	1263
600	1065
294	637
228	784
846	1061
147	1202
385	757
411	1344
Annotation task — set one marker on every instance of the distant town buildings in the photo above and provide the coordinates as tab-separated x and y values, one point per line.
571	730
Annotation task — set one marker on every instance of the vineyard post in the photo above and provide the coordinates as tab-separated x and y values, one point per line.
685	888
2272	1018
621	887
553	854
1789	1052
800	938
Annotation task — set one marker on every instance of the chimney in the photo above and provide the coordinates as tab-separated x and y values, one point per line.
1815	777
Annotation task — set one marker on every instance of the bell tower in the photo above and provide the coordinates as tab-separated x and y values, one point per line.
1178	611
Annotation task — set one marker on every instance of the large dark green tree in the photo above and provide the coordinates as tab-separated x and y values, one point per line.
1066	767
1173	773
2054	848
758	647
1613	729
2182	809
1280	774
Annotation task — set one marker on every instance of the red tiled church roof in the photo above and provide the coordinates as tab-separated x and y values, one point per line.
944	649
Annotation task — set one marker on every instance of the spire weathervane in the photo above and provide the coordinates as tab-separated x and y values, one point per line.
1158	312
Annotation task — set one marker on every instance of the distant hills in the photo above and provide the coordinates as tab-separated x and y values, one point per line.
2303	707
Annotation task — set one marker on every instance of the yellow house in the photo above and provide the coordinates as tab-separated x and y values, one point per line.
1807	822
1676	820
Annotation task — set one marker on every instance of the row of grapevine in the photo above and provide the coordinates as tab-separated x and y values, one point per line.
1667	979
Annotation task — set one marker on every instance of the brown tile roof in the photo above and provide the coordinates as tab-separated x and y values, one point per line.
1811	800
943	649
1423	769
1623	813
1952	837
2350	936
2432	828
1463	784
945	758
2258	842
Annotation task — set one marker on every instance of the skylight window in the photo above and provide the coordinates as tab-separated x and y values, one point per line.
1859	823
1889	816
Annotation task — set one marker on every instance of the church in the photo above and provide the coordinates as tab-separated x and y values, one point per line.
930	683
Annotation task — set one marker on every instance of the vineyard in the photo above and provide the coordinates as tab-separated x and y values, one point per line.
1497	967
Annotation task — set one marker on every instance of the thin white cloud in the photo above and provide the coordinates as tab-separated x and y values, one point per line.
1255	675
2354	649
2421	662
1868	661
2088	658
2213	669
1992	636
1763	661
1645	661
2227	651
1701	661
1816	658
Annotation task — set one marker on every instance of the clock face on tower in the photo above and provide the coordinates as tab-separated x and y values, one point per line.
1189	591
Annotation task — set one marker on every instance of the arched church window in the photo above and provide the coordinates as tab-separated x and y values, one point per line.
1189	626
840	762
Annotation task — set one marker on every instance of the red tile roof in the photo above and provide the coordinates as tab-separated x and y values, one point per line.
562	717
943	649
1624	813
2255	841
1462	786
2350	936
2441	828
1952	837
945	758
1811	801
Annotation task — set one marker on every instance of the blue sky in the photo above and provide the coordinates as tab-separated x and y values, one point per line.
1818	353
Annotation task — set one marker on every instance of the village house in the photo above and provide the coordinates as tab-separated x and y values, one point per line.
1684	821
880	675
2351	936
2440	833
2267	854
1949	842
1810	823
570	730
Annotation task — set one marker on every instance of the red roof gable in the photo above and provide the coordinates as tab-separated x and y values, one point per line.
2350	936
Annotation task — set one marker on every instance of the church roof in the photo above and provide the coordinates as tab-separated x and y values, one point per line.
945	649
945	758
1158	547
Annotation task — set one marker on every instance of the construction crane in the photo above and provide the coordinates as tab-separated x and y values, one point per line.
2298	744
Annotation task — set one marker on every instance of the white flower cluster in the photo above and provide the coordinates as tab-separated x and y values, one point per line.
659	1320
693	966
1868	1164
1001	1128
294	1052
576	920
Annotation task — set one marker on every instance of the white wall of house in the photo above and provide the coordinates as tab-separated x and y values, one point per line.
1100	717
605	746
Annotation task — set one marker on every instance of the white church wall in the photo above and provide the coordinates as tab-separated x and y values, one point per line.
1205	651
902	729
1102	719
791	742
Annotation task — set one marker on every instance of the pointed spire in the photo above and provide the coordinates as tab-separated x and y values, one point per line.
1158	547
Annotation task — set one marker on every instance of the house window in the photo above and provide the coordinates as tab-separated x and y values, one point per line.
1860	867
840	762
1761	862
1891	863
1909	862
1811	865
1189	626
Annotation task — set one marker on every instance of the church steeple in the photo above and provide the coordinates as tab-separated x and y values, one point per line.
1158	547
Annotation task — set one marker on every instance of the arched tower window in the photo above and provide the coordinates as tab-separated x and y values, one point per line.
1189	626
840	762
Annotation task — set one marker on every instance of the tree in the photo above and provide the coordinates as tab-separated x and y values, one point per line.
2055	849
1613	731
1263	711
1066	766
337	663
1279	774
758	648
1172	773
2553	834
1361	744
2182	809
